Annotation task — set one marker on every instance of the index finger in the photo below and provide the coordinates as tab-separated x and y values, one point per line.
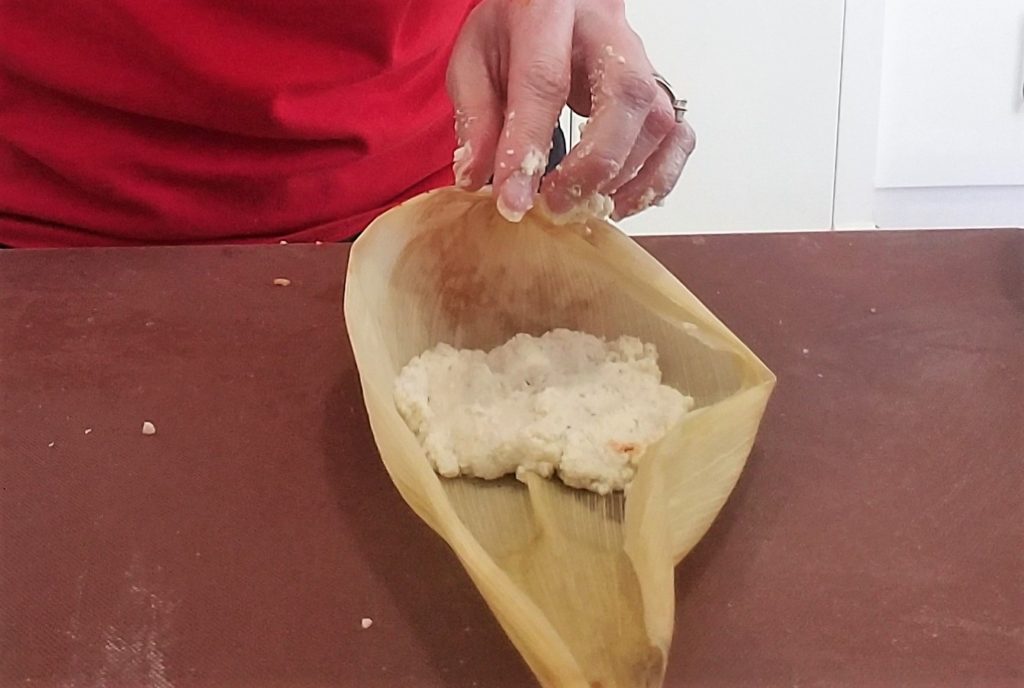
540	51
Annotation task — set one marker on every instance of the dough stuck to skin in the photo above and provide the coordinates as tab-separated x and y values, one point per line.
566	402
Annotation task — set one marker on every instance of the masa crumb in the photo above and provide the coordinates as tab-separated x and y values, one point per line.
596	205
148	428
534	162
282	282
366	622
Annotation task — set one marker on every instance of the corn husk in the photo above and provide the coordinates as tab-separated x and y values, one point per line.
582	584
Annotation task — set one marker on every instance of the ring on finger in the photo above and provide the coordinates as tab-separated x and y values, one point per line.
678	104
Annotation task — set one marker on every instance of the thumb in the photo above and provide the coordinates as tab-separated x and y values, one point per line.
479	112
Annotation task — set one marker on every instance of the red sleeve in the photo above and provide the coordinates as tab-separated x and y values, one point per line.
221	120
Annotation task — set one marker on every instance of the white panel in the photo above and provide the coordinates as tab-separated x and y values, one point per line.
951	105
762	78
942	208
854	206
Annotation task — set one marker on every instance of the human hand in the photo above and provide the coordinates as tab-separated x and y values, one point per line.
516	63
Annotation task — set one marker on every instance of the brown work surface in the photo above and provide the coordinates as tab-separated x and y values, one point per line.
874	539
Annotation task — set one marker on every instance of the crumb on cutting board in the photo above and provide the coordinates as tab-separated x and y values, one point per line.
148	428
366	622
282	282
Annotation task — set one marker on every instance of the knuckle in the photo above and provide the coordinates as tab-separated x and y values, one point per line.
547	81
661	121
636	90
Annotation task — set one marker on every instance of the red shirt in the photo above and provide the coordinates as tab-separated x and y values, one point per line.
190	121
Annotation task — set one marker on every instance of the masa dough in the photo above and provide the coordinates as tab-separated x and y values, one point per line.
566	402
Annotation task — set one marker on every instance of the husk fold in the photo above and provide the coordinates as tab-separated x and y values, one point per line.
582	584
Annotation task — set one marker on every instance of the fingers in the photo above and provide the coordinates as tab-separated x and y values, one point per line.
540	42
659	174
512	69
478	107
624	92
659	123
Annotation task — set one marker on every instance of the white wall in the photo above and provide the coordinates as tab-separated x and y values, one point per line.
931	129
817	114
762	80
951	107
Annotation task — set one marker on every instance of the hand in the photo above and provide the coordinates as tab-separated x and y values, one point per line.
516	63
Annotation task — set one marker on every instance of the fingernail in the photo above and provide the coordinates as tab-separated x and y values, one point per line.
516	197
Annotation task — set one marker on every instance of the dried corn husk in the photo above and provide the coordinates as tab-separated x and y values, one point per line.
582	584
